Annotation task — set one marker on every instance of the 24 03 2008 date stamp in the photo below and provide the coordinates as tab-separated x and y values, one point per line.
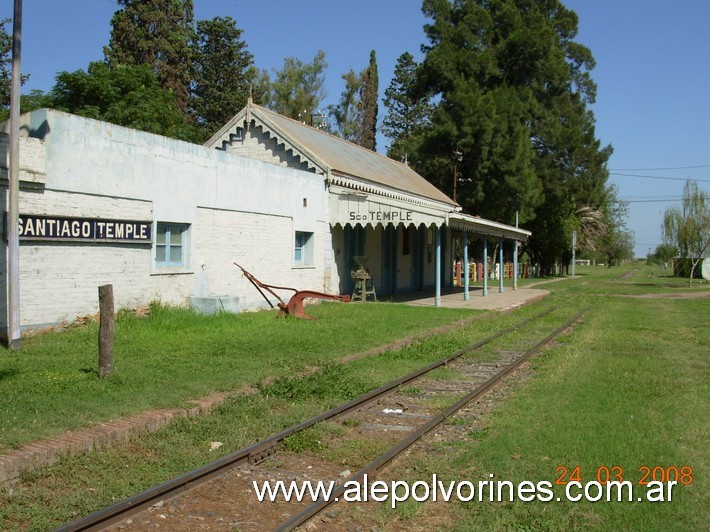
643	476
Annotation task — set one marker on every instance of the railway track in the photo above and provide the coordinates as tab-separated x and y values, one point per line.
396	415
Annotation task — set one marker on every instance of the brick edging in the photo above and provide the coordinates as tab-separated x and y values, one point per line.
48	451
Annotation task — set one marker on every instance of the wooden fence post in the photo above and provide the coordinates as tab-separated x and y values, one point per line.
105	330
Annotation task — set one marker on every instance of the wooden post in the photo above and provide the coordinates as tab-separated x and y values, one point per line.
105	330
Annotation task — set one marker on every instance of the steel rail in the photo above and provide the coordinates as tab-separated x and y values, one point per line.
377	464
120	510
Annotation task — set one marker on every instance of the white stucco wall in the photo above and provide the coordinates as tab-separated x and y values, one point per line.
239	209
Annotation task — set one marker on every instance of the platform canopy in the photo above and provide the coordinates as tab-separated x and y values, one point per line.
478	225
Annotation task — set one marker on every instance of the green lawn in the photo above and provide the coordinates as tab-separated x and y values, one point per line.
628	388
174	355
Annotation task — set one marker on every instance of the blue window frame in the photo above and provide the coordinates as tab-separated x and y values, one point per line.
170	244
303	249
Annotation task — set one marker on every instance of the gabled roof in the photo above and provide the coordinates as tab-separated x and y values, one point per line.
332	155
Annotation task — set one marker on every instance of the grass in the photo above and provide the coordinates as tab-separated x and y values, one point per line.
174	355
80	484
629	387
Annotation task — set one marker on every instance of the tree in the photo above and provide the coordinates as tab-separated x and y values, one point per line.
688	227
347	115
512	89
406	115
222	73
297	90
370	96
6	66
157	33
125	95
261	86
662	256
618	246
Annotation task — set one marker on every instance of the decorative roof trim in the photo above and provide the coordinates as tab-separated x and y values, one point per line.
375	225
251	115
367	187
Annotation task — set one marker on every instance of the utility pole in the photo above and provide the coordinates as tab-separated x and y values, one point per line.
13	240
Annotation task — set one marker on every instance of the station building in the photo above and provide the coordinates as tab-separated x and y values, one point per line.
165	220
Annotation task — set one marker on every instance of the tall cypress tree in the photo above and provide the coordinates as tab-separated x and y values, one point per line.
370	95
158	33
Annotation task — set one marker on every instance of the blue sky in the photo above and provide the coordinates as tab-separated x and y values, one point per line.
653	71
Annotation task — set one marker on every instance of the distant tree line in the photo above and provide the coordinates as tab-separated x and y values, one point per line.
498	108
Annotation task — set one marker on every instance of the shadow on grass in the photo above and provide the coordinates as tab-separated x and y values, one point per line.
7	373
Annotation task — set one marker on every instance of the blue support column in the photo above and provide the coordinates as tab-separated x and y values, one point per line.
501	266
485	266
437	297
465	266
515	266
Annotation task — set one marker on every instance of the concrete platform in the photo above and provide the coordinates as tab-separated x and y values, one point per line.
507	300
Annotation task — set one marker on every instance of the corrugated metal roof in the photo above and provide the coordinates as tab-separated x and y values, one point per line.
337	155
476	224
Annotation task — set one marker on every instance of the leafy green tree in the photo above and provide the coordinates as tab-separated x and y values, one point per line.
615	242
479	111
369	98
6	66
688	227
618	246
125	95
406	115
157	33
261	86
512	89
223	73
355	116
347	115
297	89
662	256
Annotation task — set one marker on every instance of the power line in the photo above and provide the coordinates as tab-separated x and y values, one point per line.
658	169
660	177
668	200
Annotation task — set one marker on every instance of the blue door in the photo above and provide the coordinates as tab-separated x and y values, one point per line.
388	283
418	258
